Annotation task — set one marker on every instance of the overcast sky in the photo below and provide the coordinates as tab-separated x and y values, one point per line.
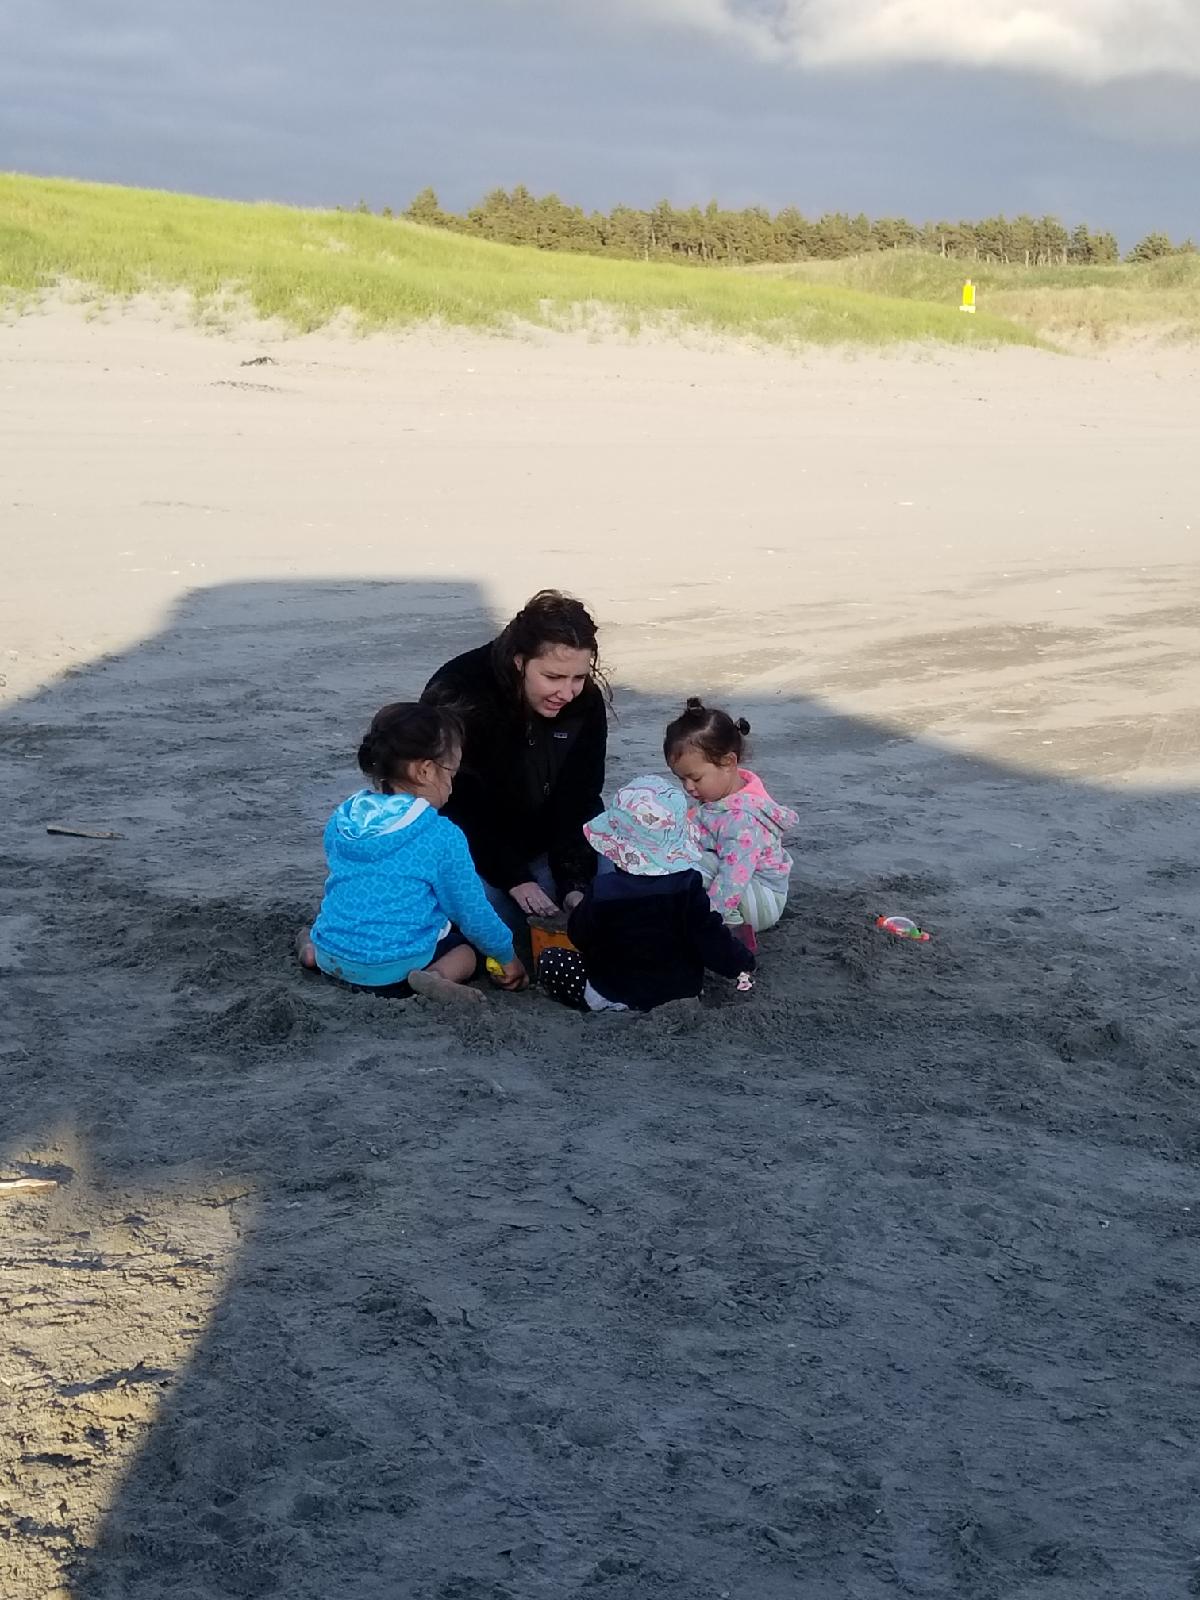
926	108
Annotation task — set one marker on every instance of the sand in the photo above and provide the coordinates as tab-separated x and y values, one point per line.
882	1281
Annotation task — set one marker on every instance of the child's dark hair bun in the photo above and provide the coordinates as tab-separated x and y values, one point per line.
714	734
403	733
367	755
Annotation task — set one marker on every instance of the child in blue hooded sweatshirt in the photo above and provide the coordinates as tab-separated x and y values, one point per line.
403	904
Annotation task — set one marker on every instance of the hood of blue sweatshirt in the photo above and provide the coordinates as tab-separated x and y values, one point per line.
367	817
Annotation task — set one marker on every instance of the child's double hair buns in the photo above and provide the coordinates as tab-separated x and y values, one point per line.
715	734
404	733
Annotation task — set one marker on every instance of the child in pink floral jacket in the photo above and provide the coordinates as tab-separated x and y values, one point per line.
738	826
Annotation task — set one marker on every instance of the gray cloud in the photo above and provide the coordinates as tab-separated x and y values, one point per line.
1093	41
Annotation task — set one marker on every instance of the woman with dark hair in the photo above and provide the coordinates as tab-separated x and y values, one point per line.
534	711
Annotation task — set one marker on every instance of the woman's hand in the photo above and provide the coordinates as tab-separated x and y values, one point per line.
512	976
533	900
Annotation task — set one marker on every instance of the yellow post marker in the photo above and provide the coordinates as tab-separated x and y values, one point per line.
968	299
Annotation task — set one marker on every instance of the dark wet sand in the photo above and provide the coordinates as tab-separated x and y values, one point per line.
881	1282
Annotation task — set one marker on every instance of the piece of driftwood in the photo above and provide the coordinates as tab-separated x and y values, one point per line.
26	1185
82	833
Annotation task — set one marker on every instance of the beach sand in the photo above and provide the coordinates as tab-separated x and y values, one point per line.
880	1281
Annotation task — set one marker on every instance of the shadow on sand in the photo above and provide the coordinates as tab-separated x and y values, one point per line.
883	1282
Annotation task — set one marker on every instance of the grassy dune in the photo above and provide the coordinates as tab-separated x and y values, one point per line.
1161	298
307	266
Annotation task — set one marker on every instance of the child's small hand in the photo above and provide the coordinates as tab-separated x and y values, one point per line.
512	976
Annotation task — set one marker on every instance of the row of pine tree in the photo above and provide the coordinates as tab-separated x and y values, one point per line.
754	235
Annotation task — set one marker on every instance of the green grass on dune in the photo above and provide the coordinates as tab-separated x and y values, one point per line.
305	267
1097	303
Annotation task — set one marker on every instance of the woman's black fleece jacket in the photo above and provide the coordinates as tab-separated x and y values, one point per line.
527	784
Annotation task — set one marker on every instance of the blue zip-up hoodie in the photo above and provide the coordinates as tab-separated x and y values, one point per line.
399	875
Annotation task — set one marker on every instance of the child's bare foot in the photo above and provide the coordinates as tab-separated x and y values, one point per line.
305	954
432	986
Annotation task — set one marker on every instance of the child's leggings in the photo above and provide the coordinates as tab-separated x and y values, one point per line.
761	906
563	976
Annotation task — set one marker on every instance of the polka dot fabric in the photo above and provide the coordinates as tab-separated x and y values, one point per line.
562	975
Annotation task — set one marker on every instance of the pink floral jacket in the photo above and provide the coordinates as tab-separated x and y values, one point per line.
744	833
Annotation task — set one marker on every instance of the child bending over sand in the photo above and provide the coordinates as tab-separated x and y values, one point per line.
646	933
401	881
738	825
